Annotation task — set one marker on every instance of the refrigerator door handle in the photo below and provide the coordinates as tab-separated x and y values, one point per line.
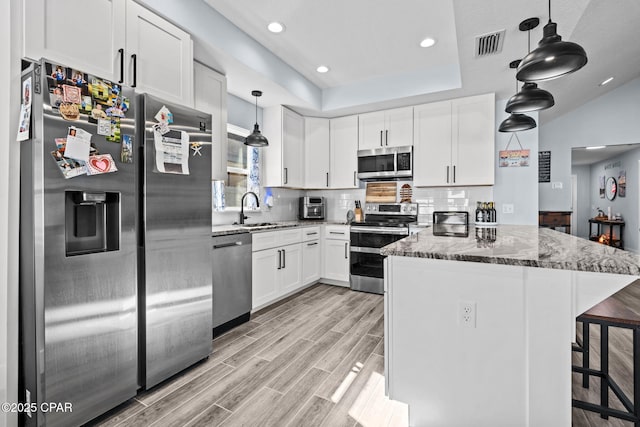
121	53
134	57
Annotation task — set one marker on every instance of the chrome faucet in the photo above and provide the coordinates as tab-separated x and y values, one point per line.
242	217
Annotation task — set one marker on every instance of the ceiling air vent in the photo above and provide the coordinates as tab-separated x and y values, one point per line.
489	44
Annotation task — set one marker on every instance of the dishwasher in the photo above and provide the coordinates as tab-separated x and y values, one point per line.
231	281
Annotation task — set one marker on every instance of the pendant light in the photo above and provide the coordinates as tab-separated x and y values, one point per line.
553	58
516	122
256	139
530	97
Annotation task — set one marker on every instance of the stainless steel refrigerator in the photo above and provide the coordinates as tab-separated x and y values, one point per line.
175	246
115	276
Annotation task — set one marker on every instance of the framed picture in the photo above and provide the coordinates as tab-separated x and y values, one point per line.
611	188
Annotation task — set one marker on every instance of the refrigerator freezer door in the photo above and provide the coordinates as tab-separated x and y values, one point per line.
78	306
176	287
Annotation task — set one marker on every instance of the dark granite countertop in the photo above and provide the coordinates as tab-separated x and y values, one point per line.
525	245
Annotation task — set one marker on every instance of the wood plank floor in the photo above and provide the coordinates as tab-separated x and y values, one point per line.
313	359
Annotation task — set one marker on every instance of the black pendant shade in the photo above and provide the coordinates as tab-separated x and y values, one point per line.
256	139
517	123
530	98
553	58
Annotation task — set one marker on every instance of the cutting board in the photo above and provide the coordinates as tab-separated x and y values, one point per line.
381	192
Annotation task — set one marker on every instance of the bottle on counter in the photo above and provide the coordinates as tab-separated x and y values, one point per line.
492	212
479	214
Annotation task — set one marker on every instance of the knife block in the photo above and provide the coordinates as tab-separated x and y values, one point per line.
358	214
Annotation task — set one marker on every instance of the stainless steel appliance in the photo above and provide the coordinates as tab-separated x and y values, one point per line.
386	163
311	208
231	281
174	223
451	223
115	268
383	224
78	269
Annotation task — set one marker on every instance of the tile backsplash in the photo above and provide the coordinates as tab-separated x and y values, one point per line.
339	202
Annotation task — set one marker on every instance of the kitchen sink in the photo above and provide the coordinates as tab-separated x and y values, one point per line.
258	224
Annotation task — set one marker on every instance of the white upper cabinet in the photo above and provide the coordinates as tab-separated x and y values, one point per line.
211	97
454	142
388	128
118	40
160	56
343	152
77	35
473	148
316	152
284	156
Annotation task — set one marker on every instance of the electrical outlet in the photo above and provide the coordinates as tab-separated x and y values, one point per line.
467	314
507	208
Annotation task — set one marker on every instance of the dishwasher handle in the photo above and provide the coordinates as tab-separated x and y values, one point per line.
227	245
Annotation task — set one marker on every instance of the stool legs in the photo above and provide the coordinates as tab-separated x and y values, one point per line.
636	374
604	368
585	353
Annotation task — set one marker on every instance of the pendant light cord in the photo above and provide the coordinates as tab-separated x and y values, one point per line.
549	11
256	109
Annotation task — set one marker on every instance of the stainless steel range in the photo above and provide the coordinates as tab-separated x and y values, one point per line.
384	223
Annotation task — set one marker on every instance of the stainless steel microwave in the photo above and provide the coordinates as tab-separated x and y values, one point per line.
385	163
311	208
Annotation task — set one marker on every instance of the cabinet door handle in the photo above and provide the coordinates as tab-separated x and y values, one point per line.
134	57
284	258
454	174
381	138
121	53
447	174
386	137
286	175
346	254
327	179
337	232
354	179
279	259
312	244
311	234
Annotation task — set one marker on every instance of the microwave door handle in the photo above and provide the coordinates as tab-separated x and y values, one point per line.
395	161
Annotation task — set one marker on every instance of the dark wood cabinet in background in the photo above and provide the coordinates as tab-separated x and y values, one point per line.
605	232
553	219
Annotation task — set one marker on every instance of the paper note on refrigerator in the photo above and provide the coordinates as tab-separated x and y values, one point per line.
172	152
78	144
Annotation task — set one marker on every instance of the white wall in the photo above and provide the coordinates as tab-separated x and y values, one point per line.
11	18
517	185
242	113
583	210
626	206
613	118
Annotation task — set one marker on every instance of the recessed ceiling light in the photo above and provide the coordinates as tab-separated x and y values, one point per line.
428	42
595	147
322	69
606	81
275	27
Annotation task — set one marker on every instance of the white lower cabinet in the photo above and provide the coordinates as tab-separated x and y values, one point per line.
276	265
311	254
336	253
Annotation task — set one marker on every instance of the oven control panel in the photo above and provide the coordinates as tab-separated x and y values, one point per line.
391	208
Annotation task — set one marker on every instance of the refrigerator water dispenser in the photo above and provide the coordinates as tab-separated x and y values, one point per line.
92	222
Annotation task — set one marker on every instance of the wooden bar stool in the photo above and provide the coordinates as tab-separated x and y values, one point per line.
609	313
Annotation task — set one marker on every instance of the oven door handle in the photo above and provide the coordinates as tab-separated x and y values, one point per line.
381	230
365	250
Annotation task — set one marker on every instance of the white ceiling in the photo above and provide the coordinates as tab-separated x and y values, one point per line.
580	156
372	49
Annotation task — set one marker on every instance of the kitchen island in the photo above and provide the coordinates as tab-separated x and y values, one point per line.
478	330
